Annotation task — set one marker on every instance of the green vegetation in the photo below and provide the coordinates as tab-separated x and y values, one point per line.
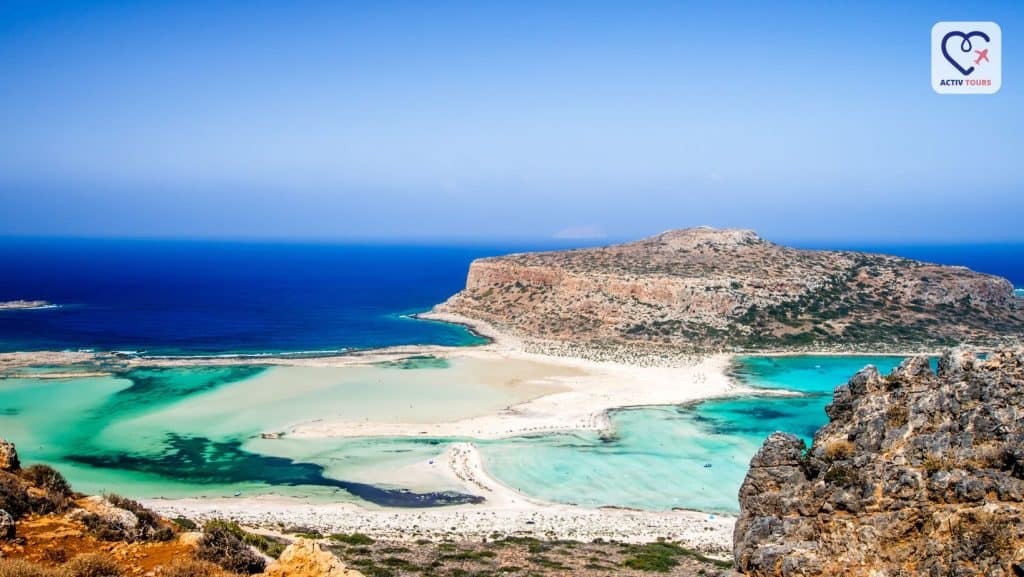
663	556
269	546
227	545
352	538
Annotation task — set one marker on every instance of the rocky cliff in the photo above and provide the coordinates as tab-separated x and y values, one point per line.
708	288
916	474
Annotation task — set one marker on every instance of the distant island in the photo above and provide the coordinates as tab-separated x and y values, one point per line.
709	289
25	305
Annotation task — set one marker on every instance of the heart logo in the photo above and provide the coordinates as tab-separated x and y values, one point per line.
965	47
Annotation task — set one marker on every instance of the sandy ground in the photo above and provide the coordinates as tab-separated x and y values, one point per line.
583	404
504	513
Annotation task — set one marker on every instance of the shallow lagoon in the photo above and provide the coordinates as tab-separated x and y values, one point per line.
195	431
188	431
657	456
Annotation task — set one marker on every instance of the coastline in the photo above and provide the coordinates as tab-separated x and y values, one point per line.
583	401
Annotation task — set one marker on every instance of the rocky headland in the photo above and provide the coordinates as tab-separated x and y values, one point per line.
918	473
708	289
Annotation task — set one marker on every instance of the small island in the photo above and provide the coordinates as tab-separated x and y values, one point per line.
25	305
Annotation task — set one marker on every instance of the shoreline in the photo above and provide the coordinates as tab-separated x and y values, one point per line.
505	512
585	401
584	404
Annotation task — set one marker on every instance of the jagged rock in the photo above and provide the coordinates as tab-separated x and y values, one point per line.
9	457
916	474
121	522
7	526
305	558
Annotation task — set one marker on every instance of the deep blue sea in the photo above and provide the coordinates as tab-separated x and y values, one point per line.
189	297
218	297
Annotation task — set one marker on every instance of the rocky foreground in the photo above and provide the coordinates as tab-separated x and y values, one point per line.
709	289
916	474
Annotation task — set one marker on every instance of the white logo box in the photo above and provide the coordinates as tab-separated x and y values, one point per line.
967	58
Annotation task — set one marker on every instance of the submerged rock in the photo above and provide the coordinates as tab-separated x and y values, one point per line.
305	558
916	474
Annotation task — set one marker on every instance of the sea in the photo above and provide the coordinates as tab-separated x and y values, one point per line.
195	431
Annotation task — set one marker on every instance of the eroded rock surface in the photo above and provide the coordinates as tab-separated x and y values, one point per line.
305	558
9	457
916	474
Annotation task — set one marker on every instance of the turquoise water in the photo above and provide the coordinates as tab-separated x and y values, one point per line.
656	458
195	431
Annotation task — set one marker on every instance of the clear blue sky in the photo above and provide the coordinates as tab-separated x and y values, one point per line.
517	120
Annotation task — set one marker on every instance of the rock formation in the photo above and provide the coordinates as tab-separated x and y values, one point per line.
305	558
916	474
9	462
7	526
706	288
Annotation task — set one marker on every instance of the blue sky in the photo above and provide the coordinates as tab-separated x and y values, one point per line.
519	120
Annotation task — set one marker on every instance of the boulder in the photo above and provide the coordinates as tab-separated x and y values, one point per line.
7	526
98	511
305	558
9	457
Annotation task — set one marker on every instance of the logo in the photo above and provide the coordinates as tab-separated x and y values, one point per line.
967	58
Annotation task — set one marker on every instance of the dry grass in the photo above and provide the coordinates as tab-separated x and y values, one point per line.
190	568
92	565
22	568
839	449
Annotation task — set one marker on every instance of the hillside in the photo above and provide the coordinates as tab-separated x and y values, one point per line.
705	288
917	473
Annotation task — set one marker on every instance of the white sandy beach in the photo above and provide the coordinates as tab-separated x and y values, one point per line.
582	405
504	513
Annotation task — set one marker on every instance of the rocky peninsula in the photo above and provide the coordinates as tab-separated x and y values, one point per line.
917	473
707	289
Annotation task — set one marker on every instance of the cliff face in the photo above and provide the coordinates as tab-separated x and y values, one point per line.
705	288
916	474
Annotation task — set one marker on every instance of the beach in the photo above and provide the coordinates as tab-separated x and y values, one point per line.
504	513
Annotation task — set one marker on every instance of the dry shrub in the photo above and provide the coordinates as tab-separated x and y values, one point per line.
46	477
92	565
151	526
14	496
190	568
22	568
897	416
221	546
840	449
